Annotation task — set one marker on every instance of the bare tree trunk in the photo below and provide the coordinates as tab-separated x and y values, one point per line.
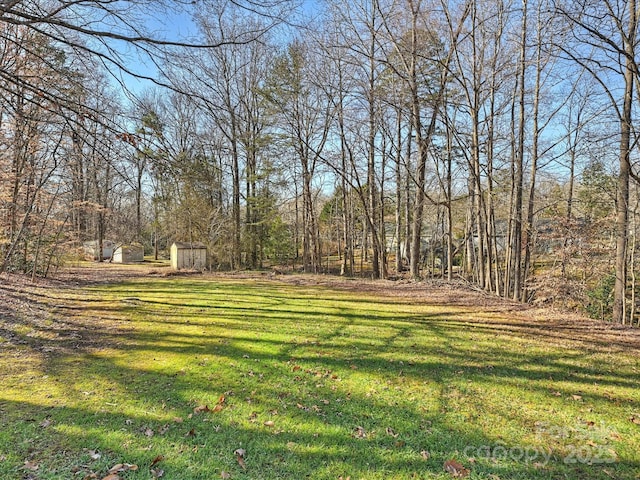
372	210
529	237
398	209
622	201
408	207
518	184
449	206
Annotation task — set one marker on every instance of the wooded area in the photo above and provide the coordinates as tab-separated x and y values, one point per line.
492	140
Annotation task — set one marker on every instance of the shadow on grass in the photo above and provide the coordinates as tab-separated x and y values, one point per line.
358	389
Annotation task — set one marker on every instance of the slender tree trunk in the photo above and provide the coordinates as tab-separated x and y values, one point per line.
530	227
449	200
235	207
408	207
398	210
573	141
516	240
139	177
622	203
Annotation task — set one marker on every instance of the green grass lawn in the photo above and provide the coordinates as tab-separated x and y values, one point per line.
203	378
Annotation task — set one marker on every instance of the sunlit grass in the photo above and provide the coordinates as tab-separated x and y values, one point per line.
311	382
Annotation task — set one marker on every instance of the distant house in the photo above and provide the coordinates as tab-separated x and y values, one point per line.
188	256
128	253
92	249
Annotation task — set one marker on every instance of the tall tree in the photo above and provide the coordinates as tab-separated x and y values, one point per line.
454	24
294	90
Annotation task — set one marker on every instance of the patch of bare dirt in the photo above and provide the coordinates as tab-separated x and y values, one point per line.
49	315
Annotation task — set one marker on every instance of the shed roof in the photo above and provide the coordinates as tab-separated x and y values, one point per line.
190	245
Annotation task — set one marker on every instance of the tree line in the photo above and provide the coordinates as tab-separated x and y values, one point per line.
489	140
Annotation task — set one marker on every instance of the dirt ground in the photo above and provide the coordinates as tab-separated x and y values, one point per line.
21	299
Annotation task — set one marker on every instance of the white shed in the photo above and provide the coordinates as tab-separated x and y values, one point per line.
190	256
92	248
128	253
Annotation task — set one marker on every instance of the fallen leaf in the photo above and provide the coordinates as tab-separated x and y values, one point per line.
29	465
191	433
577	398
123	467
360	432
635	419
296	368
240	454
217	408
391	432
269	423
148	432
225	475
45	423
116	468
157	472
163	429
112	476
178	419
455	468
201	408
425	454
94	455
156	460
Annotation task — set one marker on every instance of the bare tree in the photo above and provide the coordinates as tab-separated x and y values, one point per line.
305	113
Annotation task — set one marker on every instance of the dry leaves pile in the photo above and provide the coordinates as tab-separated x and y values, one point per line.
455	469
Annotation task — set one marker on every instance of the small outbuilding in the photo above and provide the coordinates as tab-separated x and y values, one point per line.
133	253
92	249
188	256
